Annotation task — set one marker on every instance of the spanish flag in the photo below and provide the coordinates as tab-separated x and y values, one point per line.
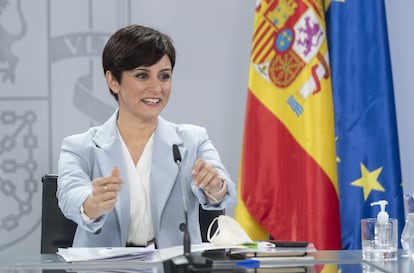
288	185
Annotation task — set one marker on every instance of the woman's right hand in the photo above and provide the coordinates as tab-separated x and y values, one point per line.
104	195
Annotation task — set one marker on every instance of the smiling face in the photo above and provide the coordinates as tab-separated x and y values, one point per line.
135	46
144	91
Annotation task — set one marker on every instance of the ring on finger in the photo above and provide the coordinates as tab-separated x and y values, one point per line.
105	188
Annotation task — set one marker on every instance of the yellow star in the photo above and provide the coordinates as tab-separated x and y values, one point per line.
368	181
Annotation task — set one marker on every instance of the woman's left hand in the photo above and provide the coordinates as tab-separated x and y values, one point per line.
206	176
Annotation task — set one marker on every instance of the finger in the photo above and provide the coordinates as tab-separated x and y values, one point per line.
198	166
111	187
107	205
101	189
115	171
198	171
209	181
114	178
109	182
203	177
216	184
98	186
106	196
98	182
200	178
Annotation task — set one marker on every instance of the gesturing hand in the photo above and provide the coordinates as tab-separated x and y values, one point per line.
104	195
206	176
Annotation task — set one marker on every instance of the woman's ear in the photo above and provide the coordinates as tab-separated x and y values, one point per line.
112	82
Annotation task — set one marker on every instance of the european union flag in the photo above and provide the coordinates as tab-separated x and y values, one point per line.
366	130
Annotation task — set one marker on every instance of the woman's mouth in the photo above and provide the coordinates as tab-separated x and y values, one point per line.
151	100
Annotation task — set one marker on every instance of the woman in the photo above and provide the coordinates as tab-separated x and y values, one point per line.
118	181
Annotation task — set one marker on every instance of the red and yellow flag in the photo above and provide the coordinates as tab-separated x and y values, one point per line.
288	180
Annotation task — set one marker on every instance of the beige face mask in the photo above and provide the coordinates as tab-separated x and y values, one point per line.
228	232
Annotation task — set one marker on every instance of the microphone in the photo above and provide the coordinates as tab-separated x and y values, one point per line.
183	226
187	262
176	154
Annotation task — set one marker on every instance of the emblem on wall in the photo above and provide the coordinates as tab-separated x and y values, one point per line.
8	59
50	69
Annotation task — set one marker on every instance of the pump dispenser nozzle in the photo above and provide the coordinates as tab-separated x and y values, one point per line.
382	216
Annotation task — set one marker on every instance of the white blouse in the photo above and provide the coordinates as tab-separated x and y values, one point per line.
141	229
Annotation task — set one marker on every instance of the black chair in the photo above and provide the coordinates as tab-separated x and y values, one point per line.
57	231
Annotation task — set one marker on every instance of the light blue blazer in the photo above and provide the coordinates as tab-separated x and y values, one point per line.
93	154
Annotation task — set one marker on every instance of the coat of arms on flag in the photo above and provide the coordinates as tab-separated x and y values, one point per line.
288	37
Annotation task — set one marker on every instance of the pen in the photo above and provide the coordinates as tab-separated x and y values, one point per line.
249	263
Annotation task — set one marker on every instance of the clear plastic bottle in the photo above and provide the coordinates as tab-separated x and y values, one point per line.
407	236
383	227
383	235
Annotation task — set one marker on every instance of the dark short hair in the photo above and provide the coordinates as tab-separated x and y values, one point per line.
134	46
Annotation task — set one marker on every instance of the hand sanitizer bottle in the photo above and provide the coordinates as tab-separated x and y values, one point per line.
383	227
385	233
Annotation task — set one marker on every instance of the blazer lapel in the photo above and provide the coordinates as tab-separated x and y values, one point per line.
109	155
164	170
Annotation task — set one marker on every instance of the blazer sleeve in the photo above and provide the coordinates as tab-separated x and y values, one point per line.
209	153
74	181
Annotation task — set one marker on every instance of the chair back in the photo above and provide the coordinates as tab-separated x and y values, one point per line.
56	231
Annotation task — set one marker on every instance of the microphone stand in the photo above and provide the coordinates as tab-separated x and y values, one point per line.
187	263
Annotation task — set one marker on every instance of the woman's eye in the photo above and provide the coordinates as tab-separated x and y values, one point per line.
141	76
165	76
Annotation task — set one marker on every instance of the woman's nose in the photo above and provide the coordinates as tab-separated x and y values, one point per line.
154	84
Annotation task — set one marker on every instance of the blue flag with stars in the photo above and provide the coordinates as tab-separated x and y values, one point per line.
365	120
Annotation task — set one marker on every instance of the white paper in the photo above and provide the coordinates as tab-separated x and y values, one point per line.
78	254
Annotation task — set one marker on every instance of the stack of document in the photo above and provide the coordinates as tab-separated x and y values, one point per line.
82	254
267	249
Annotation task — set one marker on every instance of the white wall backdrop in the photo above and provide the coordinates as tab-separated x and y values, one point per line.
52	85
401	40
